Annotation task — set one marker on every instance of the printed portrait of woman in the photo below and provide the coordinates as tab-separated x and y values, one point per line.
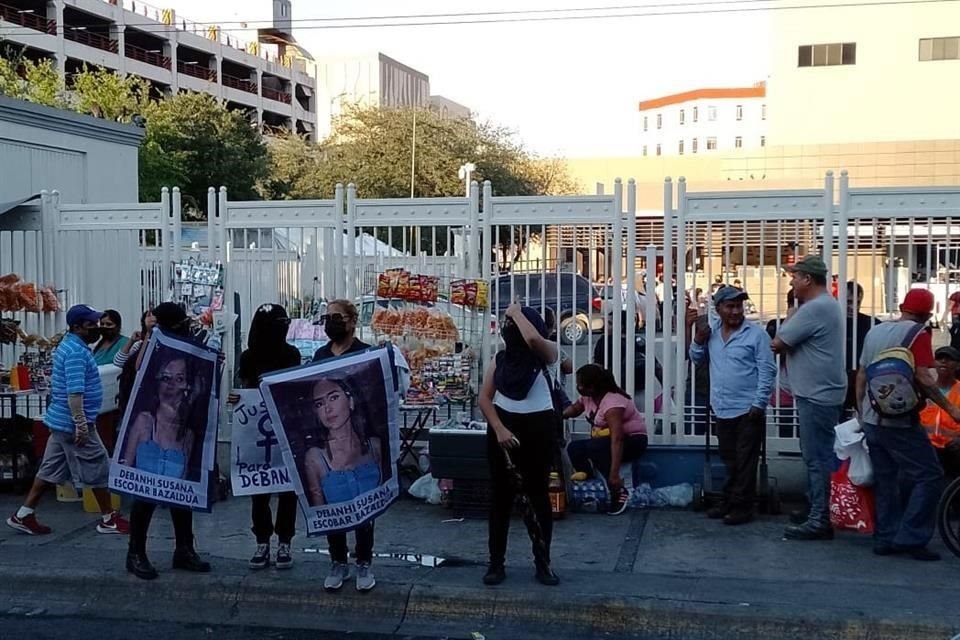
169	418
344	455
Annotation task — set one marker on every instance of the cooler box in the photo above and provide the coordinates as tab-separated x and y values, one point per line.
459	453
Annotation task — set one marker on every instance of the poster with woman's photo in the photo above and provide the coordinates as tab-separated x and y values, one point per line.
338	426
167	443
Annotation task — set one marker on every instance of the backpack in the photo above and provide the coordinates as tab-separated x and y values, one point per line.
890	379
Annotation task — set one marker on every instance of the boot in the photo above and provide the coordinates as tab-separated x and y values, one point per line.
189	560
139	565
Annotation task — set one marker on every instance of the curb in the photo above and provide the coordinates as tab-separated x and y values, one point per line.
441	603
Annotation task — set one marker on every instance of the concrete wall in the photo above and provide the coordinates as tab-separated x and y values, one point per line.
86	159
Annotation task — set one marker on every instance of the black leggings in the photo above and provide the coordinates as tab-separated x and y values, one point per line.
597	451
532	459
263	522
141	512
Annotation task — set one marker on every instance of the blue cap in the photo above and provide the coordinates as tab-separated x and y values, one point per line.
80	313
728	294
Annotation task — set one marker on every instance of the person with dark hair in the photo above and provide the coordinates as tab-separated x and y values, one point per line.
163	443
618	432
74	449
340	325
268	351
516	401
942	430
139	338
811	340
111	341
858	325
603	354
743	372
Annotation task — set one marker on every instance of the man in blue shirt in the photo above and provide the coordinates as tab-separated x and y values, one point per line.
742	375
74	449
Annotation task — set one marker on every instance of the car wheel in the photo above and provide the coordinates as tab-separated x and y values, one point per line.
573	330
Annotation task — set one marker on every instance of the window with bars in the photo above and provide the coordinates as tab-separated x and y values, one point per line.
658	149
693	145
644	149
739	112
711	144
763	112
659	121
763	141
645	123
683	116
680	148
827	55
738	142
696	114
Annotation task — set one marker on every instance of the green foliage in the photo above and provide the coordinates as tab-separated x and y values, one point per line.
104	94
23	79
194	142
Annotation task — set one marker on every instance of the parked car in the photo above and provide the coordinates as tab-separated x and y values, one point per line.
611	304
575	301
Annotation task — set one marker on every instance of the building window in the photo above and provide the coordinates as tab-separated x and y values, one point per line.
659	120
739	112
711	144
711	113
693	145
644	123
683	116
827	55
658	149
696	114
680	148
738	142
939	49
644	149
763	141
763	112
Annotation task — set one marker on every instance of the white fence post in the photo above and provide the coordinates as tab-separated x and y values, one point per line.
473	250
631	278
667	364
616	266
681	303
332	267
650	329
843	248
827	249
177	214
350	244
485	256
211	223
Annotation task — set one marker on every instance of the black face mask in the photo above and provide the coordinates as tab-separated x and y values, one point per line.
90	336
336	330
512	337
110	334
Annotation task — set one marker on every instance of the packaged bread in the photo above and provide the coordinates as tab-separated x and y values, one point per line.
458	291
429	288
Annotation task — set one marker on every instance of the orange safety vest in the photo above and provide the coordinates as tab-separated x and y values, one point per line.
941	428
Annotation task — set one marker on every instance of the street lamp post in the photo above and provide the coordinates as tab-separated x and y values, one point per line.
466	170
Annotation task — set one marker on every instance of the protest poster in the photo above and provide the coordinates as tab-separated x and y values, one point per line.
167	443
257	464
338	426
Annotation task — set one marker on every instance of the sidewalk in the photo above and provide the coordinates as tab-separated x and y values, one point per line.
647	574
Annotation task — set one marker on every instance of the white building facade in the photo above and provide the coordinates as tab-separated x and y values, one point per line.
704	121
274	86
865	74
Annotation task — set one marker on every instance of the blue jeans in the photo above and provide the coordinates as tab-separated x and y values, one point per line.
904	461
816	444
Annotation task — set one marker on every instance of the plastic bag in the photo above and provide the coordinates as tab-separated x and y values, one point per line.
426	488
678	495
851	507
850	444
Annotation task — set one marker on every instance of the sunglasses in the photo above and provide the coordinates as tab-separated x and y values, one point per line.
335	317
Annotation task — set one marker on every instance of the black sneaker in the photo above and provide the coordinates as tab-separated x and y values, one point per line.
547	577
738	516
800	516
190	560
619	501
495	575
261	557
808	531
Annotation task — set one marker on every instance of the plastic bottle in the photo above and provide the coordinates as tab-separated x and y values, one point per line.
558	497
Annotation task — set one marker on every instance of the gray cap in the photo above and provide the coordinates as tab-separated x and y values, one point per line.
810	265
728	294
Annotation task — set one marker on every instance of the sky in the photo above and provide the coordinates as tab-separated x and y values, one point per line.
565	88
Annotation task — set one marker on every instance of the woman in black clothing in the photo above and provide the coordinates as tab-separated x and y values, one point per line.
268	351
516	401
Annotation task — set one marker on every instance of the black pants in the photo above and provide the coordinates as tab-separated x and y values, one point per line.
739	442
532	459
950	461
337	544
141	513
597	451
263	523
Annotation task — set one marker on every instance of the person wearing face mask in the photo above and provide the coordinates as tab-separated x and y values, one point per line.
111	341
162	443
74	449
516	401
139	338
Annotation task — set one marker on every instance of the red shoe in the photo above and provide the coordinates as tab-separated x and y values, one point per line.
115	524
28	525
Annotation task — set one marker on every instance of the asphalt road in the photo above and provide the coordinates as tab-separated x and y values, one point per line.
38	628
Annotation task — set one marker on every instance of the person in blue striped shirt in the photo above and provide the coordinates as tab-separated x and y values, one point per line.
742	375
74	449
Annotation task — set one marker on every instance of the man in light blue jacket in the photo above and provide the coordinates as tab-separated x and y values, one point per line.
742	375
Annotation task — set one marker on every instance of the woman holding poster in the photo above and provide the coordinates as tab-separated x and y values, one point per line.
163	442
268	351
515	399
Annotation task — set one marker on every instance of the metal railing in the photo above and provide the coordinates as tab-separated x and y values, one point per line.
28	19
197	71
239	84
148	57
95	40
279	96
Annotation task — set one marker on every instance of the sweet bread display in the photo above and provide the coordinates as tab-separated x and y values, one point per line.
18	295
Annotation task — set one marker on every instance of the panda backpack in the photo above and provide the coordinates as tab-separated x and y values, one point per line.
890	379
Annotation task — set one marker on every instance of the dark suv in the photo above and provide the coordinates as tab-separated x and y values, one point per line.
578	306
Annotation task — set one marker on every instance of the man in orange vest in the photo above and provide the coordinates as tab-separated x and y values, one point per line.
943	431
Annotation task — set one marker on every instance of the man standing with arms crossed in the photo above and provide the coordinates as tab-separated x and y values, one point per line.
743	372
812	340
74	449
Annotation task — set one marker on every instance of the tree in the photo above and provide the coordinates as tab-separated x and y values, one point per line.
194	142
24	79
292	173
104	94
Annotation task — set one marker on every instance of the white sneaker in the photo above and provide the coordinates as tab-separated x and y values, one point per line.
284	559
339	572
261	558
365	579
